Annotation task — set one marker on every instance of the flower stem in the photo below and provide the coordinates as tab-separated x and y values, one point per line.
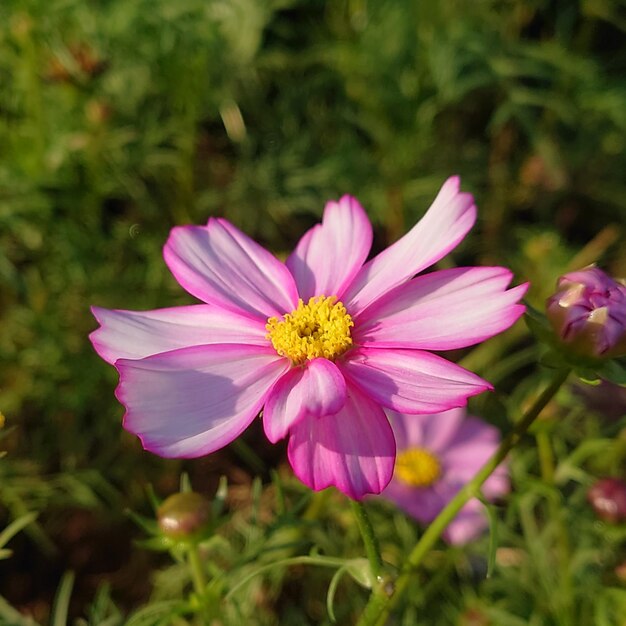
197	573
377	616
369	538
563	553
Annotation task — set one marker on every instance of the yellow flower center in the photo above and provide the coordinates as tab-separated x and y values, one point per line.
320	328
417	467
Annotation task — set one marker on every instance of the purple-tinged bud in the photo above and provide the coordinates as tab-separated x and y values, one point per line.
183	516
588	312
608	499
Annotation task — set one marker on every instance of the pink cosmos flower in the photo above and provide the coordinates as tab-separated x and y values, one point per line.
589	313
437	455
321	343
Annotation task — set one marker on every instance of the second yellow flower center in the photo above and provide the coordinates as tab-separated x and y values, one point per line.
320	328
417	467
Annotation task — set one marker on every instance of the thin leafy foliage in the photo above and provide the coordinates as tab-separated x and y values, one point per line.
121	119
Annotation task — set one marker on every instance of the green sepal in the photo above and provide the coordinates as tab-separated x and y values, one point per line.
146	524
539	326
614	371
219	500
156	544
555	359
587	376
360	571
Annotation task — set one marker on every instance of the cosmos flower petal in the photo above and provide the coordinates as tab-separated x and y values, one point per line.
193	378
354	450
467	451
433	431
440	431
443	310
138	334
422	503
469	431
316	389
498	483
192	401
330	254
471	457
220	265
408	431
411	381
461	445
470	522
442	228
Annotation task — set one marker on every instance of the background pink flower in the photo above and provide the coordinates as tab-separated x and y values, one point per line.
321	343
437	455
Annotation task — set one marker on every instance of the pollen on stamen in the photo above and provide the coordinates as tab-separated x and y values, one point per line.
319	328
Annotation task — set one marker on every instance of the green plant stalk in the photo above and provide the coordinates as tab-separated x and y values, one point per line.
546	463
197	573
378	616
369	539
546	457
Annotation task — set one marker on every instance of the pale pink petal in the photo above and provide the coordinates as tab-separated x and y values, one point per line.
354	450
439	430
473	445
316	389
407	429
422	503
470	522
463	461
192	401
425	503
221	265
444	225
498	484
472	432
137	334
411	381
444	310
330	254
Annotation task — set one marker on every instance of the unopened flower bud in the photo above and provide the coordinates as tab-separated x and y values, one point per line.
608	499
588	312
184	516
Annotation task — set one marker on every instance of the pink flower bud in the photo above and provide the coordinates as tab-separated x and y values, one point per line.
608	499
588	312
184	516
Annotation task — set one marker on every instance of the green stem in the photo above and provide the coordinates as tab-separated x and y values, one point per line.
546	457
197	572
546	463
369	538
372	617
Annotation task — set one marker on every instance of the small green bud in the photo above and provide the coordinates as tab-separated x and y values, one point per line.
184	516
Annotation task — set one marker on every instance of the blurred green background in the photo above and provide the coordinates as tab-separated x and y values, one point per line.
122	118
